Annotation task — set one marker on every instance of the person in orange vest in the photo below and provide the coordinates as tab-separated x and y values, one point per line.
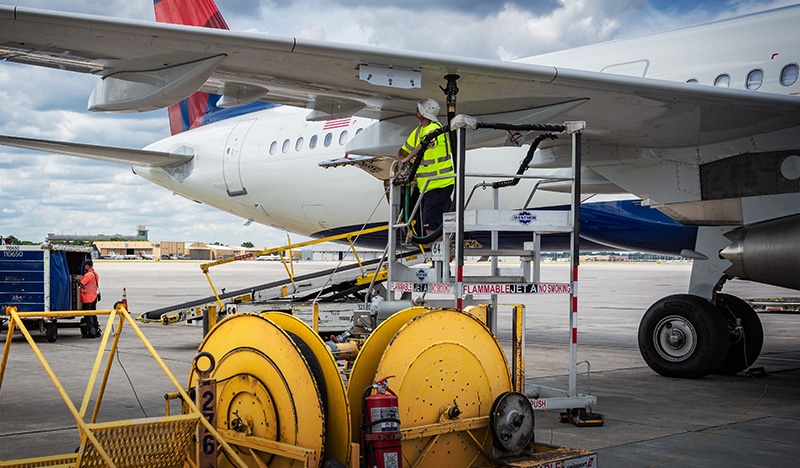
90	284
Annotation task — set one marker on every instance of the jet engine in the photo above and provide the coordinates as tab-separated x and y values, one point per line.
767	252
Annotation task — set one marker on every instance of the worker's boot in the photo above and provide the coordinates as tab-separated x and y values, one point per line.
92	327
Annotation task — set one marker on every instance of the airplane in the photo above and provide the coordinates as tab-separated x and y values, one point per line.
699	125
114	256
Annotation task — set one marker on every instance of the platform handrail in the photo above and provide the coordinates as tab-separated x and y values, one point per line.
349	236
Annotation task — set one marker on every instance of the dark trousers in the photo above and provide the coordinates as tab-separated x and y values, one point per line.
92	329
434	204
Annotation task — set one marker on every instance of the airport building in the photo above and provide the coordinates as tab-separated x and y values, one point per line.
141	235
120	250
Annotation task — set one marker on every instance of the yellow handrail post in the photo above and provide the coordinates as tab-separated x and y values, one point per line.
355	254
518	346
289	273
112	352
213	289
7	346
96	366
291	255
316	317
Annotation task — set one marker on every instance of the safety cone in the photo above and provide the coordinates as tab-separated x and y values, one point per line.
125	297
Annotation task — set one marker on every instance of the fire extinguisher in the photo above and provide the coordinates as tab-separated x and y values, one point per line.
380	427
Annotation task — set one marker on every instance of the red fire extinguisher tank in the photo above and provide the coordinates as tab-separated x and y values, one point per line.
382	428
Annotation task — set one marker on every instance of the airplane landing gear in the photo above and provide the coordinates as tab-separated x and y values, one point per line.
683	336
746	332
686	336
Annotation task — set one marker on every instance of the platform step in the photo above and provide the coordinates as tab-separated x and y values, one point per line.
498	253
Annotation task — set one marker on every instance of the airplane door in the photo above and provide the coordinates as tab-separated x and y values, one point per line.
318	216
231	158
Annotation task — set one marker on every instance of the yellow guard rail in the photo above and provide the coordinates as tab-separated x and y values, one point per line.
280	250
154	442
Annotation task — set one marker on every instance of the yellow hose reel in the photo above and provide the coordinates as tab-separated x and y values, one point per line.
282	401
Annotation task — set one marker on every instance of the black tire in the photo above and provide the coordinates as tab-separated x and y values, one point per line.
745	342
683	336
51	331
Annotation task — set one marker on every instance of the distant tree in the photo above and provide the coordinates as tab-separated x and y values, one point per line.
116	239
216	243
247	245
13	240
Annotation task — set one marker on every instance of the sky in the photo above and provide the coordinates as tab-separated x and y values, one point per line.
44	193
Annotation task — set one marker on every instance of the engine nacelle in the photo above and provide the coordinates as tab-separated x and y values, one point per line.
767	252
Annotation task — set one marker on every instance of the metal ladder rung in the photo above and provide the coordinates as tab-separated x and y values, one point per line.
498	253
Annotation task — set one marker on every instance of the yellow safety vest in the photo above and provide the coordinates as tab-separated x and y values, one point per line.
437	160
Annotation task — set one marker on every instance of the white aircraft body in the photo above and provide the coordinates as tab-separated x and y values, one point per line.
702	123
114	256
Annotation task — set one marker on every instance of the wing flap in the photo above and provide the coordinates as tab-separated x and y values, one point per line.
133	157
378	167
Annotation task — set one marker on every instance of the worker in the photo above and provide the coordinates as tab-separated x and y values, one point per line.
437	161
90	294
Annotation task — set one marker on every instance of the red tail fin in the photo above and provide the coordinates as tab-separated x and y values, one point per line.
190	112
190	13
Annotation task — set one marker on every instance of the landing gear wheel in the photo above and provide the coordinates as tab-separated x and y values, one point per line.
746	341
51	331
683	336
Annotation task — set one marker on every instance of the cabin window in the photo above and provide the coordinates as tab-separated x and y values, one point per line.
692	81
359	131
754	79
273	147
328	139
789	74
343	137
299	144
723	81
285	147
312	143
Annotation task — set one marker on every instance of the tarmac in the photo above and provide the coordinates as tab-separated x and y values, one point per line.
650	420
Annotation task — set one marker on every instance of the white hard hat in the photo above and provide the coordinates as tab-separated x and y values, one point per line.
429	109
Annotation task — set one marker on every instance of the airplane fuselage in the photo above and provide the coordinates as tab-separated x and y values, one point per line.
262	166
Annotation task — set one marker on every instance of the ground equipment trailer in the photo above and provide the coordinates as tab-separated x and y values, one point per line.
42	278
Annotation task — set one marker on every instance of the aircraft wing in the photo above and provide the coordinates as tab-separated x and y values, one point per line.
133	157
148	65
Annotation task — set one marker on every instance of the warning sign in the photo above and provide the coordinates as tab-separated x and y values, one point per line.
484	288
435	288
517	288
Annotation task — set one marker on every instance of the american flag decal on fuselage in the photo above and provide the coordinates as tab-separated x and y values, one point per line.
336	123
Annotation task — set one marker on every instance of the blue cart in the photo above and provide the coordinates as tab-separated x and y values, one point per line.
42	278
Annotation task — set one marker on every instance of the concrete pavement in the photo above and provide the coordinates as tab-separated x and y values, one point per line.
714	421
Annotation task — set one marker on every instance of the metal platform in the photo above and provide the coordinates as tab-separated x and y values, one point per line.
446	277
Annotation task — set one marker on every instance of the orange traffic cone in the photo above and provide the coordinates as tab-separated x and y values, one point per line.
125	297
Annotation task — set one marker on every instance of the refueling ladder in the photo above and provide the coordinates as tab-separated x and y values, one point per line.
439	279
